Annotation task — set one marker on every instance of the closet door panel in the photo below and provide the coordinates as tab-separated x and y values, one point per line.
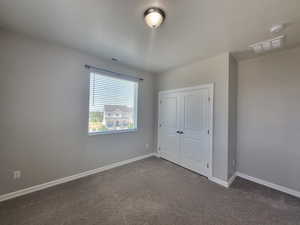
195	125
168	126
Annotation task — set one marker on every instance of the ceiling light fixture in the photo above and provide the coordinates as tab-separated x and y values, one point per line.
277	28
154	17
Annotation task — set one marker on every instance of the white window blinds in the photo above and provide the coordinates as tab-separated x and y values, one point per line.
112	104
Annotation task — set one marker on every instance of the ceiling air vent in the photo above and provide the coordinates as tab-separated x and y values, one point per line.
268	45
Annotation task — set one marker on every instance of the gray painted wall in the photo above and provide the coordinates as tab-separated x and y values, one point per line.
232	115
214	70
268	118
44	114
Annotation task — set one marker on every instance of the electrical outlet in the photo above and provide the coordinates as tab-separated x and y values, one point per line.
146	146
17	174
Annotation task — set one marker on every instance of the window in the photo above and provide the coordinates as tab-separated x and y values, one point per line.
112	96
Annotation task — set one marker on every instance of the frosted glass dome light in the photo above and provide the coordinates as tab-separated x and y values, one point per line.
154	17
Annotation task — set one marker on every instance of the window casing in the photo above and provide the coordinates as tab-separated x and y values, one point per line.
112	104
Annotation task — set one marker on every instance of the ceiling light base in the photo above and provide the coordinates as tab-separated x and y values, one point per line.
154	17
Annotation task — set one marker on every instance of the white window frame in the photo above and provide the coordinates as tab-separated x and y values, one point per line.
135	108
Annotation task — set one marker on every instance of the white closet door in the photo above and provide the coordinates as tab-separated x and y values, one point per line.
185	132
168	126
195	124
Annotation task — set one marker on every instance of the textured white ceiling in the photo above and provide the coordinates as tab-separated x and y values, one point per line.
194	29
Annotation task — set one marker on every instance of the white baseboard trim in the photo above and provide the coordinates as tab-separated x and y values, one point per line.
270	185
70	178
219	181
156	154
231	179
223	182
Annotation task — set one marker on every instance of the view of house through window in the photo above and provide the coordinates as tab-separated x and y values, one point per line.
112	104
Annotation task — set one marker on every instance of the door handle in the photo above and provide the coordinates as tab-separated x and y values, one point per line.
181	132
178	132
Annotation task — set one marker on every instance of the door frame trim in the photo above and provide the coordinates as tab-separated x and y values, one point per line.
210	87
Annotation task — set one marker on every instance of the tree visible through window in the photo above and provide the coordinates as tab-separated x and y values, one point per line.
112	104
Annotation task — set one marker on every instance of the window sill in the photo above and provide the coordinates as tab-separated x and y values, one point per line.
114	132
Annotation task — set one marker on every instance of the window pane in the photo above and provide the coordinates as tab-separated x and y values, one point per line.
112	104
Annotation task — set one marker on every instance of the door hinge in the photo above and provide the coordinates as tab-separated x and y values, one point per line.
207	165
158	148
160	125
209	99
208	131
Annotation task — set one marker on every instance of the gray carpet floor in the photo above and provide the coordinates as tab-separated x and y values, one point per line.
152	192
